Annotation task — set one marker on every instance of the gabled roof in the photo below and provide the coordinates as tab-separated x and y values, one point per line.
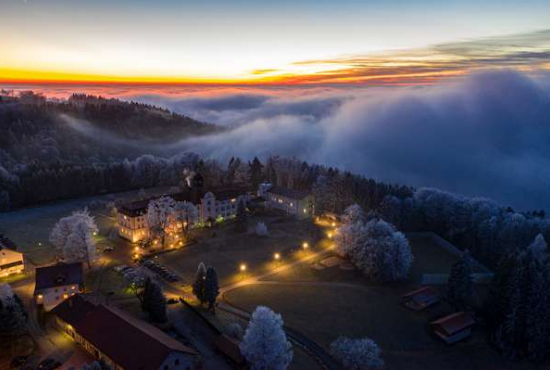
58	275
289	193
129	342
455	322
423	295
7	243
138	208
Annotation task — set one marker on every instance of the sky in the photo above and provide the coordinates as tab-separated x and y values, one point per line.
450	94
280	42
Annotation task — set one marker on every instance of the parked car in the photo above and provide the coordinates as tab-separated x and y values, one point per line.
48	364
108	249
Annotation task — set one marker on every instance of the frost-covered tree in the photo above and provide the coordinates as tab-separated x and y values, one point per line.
357	354
73	237
160	213
198	284
186	214
211	288
459	285
13	317
539	247
264	344
376	248
353	214
261	229
135	281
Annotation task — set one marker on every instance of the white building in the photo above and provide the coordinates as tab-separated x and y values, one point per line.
294	202
209	206
56	283
11	261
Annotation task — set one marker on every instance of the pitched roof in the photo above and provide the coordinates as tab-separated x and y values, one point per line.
129	342
7	243
139	207
422	295
57	275
455	322
289	193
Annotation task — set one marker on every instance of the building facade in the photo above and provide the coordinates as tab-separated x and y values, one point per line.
120	340
294	202
57	283
196	207
11	261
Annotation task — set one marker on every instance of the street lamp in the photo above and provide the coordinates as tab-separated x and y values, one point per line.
305	245
334	224
329	235
242	267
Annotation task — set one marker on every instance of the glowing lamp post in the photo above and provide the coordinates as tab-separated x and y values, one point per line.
242	268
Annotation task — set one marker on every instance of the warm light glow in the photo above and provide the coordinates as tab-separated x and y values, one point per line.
334	224
136	248
242	267
329	235
277	256
305	245
40	296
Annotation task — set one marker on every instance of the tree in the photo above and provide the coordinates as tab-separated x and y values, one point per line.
153	301
376	248
539	247
185	213
459	285
353	214
159	214
255	172
211	288
242	217
135	281
357	354
198	284
73	237
13	317
265	345
261	229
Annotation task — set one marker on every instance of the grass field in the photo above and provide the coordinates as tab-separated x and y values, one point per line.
30	227
225	249
324	313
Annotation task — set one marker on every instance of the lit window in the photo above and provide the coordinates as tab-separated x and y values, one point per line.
305	210
73	287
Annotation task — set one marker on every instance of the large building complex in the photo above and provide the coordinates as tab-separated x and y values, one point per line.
203	206
295	202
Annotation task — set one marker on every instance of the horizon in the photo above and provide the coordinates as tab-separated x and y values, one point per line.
185	43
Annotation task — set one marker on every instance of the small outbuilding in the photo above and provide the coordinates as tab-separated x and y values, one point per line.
56	283
419	299
454	327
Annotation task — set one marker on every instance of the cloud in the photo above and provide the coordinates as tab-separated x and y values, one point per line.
487	134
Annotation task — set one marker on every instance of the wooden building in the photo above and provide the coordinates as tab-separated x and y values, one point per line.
422	298
454	327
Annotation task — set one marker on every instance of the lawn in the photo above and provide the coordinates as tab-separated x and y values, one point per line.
225	249
323	313
30	227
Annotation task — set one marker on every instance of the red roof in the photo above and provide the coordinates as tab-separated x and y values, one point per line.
455	322
129	342
422	295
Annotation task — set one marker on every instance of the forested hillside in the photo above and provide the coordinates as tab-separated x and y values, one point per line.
60	149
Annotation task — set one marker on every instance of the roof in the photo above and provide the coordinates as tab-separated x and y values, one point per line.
58	275
7	243
129	342
230	347
455	322
139	207
289	193
422	295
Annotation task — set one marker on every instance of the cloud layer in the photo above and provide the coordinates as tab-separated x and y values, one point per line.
487	134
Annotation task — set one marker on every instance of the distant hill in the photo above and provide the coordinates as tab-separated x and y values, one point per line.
85	127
